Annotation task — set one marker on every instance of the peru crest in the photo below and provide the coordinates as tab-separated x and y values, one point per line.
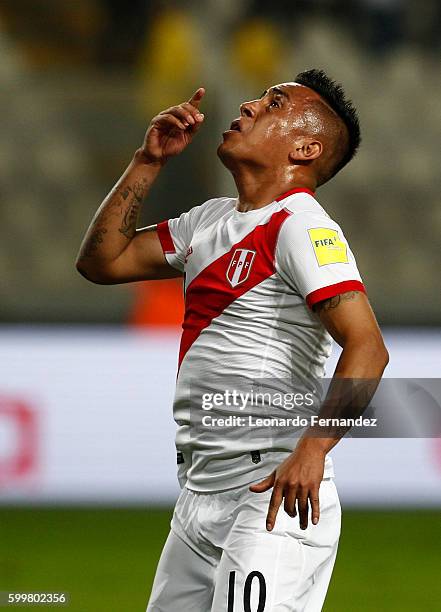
240	266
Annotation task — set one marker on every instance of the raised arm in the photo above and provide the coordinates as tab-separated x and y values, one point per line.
113	249
349	319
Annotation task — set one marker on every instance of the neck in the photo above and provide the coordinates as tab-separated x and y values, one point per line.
258	189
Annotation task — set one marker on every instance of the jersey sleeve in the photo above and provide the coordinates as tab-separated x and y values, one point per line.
314	258
175	236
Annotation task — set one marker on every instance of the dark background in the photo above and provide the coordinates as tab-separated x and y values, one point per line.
81	80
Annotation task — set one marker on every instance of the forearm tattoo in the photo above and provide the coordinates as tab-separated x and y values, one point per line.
134	195
119	212
94	241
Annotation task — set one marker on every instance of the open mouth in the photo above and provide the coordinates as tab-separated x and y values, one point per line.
235	126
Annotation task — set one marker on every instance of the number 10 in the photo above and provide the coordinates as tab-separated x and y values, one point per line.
247	592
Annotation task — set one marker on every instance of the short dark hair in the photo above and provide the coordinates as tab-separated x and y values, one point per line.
334	95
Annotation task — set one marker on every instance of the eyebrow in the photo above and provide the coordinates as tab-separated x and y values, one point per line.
276	90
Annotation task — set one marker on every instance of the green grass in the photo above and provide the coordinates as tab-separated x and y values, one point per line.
387	561
106	558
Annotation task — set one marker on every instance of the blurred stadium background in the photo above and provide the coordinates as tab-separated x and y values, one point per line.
87	475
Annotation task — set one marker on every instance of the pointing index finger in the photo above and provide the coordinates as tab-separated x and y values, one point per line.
196	98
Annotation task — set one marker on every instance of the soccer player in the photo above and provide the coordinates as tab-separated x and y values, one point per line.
269	279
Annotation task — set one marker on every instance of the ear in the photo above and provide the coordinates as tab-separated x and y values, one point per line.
306	150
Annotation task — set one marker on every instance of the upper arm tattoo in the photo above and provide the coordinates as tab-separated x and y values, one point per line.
334	301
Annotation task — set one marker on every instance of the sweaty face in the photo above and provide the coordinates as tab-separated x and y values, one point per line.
268	126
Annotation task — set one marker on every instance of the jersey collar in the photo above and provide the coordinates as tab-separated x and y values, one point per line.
292	191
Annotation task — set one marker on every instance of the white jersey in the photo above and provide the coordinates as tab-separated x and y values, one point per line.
251	280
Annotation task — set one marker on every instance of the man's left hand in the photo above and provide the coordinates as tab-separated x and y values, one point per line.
297	480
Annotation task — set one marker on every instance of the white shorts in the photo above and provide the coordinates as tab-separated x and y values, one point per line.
219	557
